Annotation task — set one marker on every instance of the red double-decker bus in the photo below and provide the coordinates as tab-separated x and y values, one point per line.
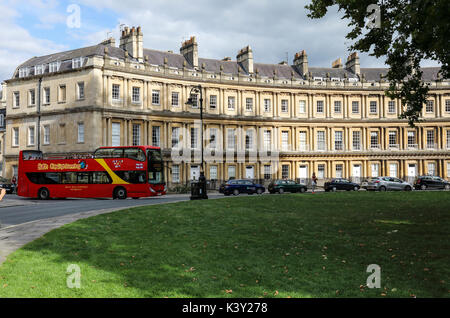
117	172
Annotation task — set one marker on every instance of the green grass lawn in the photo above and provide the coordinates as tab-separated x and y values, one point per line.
298	245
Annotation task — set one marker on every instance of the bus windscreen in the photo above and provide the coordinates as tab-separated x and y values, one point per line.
155	167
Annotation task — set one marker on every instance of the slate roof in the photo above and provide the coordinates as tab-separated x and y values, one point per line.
373	74
177	60
334	72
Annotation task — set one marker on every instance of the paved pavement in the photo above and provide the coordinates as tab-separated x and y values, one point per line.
14	236
16	210
23	220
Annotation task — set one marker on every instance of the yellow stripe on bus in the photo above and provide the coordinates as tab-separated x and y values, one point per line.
115	178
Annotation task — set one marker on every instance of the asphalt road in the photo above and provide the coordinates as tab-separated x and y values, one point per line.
16	210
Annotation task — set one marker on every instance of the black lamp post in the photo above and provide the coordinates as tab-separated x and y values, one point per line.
199	192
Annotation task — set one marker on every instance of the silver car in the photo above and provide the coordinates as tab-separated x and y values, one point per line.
387	184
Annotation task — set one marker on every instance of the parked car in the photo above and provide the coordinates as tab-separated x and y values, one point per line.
431	182
340	184
237	187
282	186
7	185
387	184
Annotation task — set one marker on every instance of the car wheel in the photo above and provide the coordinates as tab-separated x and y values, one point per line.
447	187
43	194
382	189
423	187
259	191
355	188
333	189
408	188
302	190
281	191
235	192
120	193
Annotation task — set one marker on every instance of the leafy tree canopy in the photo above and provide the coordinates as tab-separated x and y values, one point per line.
408	32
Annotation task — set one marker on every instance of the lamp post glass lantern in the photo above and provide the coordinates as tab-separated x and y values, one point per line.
198	189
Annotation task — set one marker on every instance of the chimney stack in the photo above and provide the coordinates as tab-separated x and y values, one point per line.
352	64
337	63
132	41
301	61
109	42
245	57
189	49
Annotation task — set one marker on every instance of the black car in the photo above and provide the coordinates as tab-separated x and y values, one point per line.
431	182
237	187
7	185
340	184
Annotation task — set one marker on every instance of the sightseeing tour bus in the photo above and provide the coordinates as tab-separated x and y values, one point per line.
117	172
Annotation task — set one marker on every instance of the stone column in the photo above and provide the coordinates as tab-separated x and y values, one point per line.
104	131
125	132
105	90
165	97
275	110
292	108
125	92
149	133
130	132
310	106
145	132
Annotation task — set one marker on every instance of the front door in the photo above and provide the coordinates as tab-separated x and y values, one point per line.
195	172
249	172
356	173
303	174
412	172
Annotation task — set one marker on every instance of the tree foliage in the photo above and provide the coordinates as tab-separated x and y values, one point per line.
409	32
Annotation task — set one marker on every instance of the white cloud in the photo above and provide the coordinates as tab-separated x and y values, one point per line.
17	44
271	28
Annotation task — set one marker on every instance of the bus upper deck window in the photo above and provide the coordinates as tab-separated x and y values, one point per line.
32	155
134	153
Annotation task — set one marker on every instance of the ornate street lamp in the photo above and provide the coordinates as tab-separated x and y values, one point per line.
200	192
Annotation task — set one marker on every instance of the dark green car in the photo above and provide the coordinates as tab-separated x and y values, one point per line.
282	186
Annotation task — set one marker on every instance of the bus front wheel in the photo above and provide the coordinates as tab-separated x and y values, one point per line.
43	194
120	193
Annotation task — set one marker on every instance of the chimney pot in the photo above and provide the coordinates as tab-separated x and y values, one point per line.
189	49
337	63
352	64
301	61
133	43
245	58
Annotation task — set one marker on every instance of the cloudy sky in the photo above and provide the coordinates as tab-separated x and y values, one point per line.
274	29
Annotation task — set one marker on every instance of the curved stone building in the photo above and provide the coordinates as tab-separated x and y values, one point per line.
335	121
